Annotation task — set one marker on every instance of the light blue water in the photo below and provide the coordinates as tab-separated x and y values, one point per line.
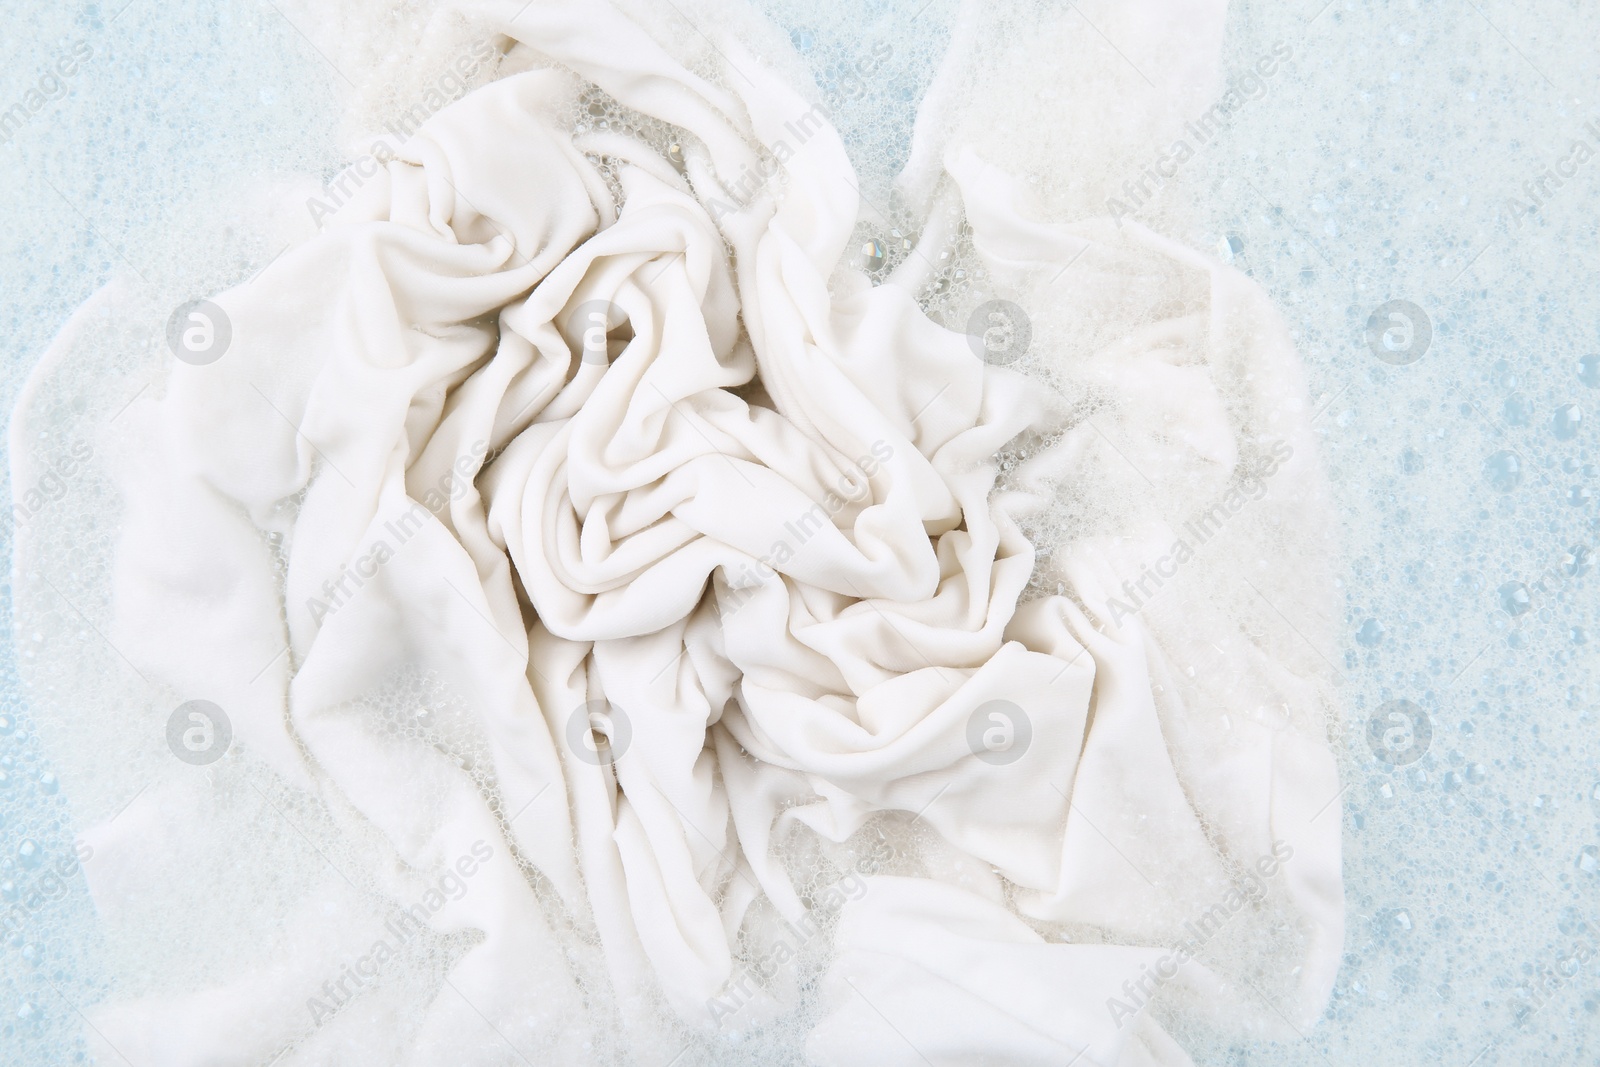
1378	167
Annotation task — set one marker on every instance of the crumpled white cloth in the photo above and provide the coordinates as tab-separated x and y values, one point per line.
757	529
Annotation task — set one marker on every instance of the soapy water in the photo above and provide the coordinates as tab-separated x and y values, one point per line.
1450	360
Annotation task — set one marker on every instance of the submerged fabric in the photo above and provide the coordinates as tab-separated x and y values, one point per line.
745	523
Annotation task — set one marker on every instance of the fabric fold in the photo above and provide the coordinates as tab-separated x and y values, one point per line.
559	500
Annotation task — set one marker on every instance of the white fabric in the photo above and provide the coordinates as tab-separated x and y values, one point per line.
643	531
